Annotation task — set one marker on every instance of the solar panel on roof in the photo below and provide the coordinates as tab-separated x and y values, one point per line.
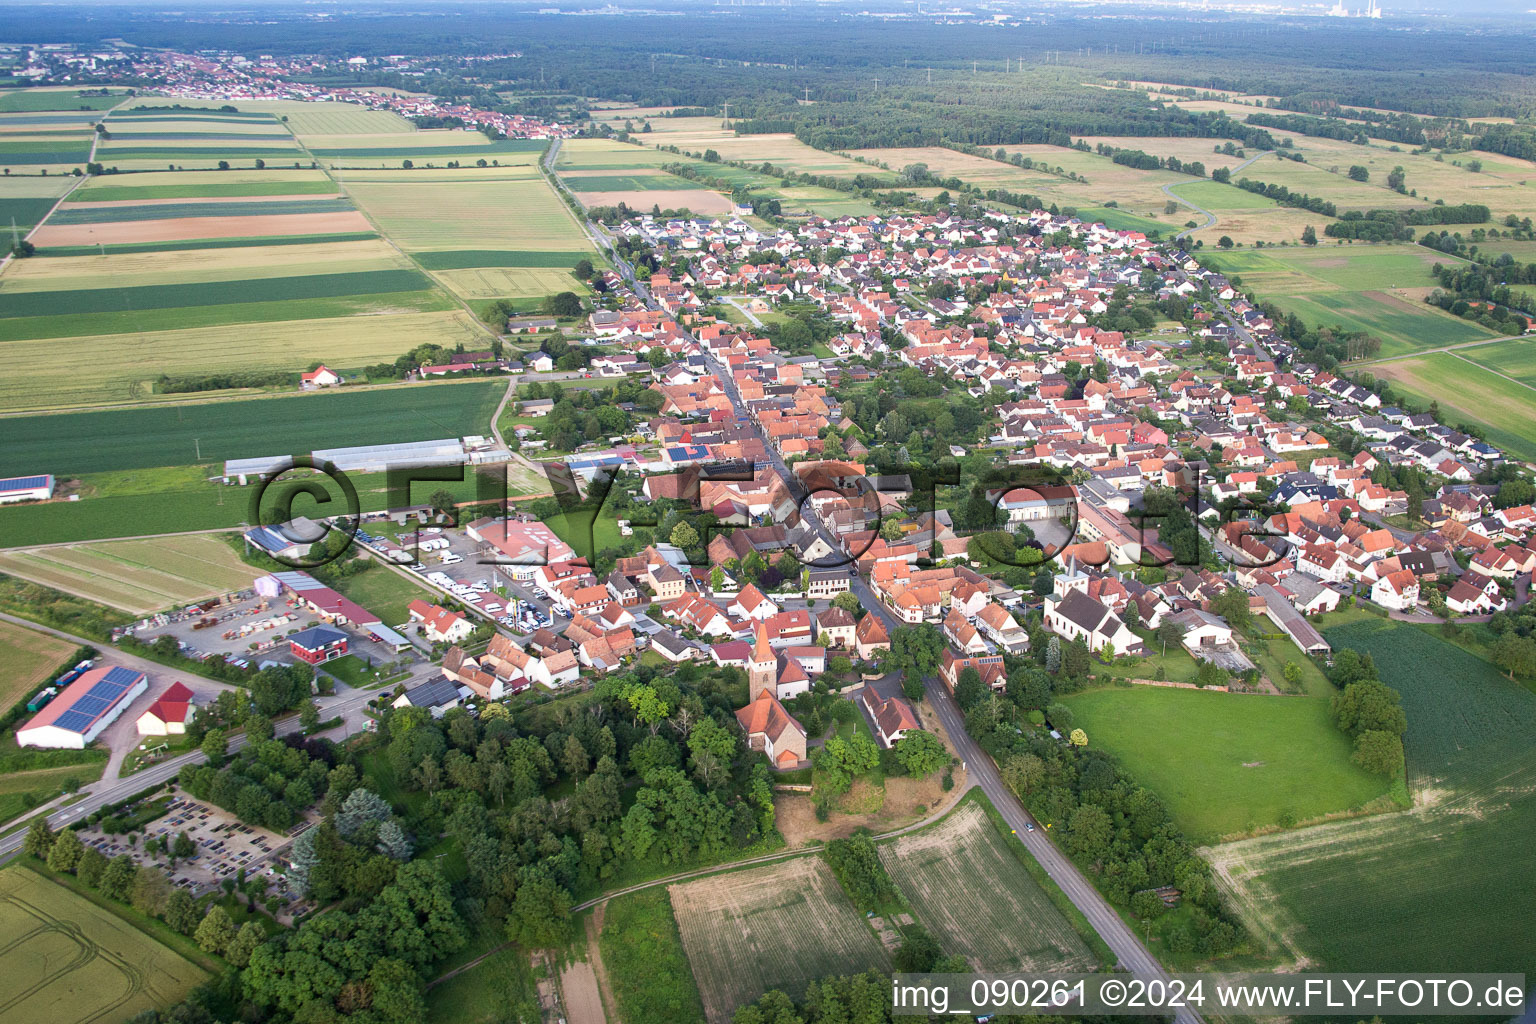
74	721
89	705
23	483
118	674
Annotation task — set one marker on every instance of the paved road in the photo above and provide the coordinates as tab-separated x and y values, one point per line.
596	232
1210	218
1128	949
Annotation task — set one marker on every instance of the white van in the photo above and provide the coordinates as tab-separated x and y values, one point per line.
449	558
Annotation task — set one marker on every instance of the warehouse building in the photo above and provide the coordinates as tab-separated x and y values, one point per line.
26	488
87	706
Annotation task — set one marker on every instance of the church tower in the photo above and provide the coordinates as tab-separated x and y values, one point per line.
763	669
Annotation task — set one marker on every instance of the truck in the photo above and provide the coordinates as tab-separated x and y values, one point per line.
41	699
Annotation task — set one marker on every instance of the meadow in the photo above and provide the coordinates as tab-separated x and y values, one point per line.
1469	393
138	576
643	956
68	961
29	657
1228	763
122	368
71	444
975	897
1378	289
26	201
775	927
1430	886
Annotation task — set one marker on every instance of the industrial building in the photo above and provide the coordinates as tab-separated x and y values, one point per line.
87	706
26	488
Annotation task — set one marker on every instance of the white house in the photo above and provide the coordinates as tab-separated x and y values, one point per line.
1078	616
169	714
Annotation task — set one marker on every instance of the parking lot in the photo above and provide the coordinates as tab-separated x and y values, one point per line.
451	562
248	633
224	845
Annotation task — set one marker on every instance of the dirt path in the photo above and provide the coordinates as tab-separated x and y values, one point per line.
599	991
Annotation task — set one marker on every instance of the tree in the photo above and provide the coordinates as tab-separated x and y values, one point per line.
214	745
1225	242
1061	717
1210	674
583	269
563	304
65	852
969	689
361	809
1359	173
40	838
117	880
1397	180
240	948
1089	830
1309	235
1291	673
912	685
1079	738
921	753
1232	605
93	864
1369	705
684	536
848	601
917	647
1169	632
393	842
1023	772
181	912
309	717
1515	654
1379	752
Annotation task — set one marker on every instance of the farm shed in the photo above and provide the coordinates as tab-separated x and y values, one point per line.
87	706
26	488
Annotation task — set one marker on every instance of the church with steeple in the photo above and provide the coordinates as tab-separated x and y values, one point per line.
782	676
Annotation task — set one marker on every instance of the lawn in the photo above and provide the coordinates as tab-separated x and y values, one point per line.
1228	763
124	439
585	531
81	962
382	591
975	897
1469	393
352	671
1427	887
29	657
644	959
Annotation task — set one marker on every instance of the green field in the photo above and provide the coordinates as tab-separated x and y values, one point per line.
201	243
1227	763
69	961
75	214
208	293
87	442
181	318
22	791
469	149
138	576
626	182
1468	393
1434	886
205	506
1514	358
55	99
1213	195
1377	289
117	193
